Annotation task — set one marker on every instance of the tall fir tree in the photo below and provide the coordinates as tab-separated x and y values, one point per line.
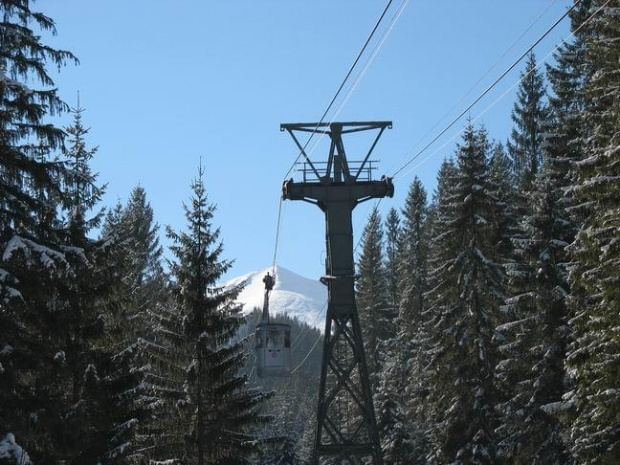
595	298
530	114
502	187
536	339
392	252
140	288
400	428
404	439
32	257
207	406
532	371
139	254
413	265
372	296
412	340
467	286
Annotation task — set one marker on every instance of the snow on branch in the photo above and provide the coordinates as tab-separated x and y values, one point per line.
12	452
47	257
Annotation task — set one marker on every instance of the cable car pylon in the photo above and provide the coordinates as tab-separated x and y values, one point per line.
346	429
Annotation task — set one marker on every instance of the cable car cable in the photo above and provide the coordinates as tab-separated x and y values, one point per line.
480	97
460	116
495	102
488	89
299	338
357	80
278	224
373	54
486	73
342	84
308	355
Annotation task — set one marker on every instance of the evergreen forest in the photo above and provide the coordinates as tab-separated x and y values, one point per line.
490	307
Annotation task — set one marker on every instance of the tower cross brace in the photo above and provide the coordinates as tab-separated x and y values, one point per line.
346	427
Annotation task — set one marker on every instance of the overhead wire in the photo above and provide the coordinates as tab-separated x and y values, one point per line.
490	106
369	61
484	75
253	353
351	90
493	66
371	57
277	240
342	84
297	341
373	54
308	354
454	121
489	88
503	95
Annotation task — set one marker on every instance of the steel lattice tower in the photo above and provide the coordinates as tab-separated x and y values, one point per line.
346	428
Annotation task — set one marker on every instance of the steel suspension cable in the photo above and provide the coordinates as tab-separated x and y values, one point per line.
488	89
277	240
342	84
486	73
486	110
372	55
308	355
297	341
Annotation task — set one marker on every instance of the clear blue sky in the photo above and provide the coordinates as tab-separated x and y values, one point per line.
165	82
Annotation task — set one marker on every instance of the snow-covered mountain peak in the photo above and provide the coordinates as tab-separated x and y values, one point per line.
292	294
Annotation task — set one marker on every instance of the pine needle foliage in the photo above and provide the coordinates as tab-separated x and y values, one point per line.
33	253
467	286
210	408
595	302
529	115
372	296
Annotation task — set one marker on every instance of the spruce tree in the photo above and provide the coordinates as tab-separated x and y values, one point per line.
140	289
467	286
135	262
79	431
139	255
392	251
593	357
404	439
413	266
538	336
411	343
502	188
529	115
400	426
32	258
372	297
532	371
95	414
207	410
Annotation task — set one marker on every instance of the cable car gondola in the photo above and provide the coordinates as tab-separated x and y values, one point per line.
273	341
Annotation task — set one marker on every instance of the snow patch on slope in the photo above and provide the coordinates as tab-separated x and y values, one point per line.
292	294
